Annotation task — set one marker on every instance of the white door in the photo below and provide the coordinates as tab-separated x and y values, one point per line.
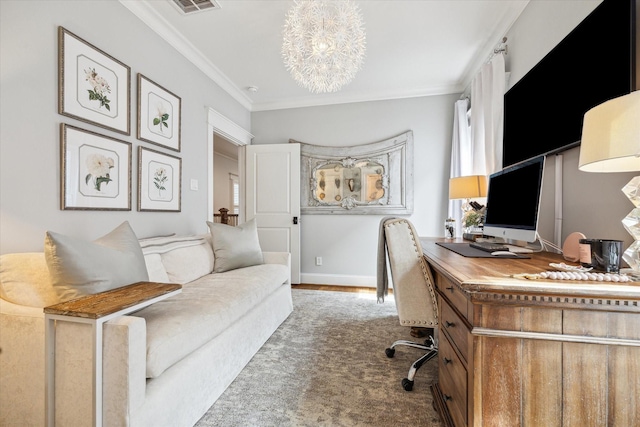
273	198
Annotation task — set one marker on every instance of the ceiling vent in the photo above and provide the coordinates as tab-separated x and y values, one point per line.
192	6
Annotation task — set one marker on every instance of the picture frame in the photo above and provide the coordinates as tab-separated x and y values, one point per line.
159	114
93	86
159	181
95	171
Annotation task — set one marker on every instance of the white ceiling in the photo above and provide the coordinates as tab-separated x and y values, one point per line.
414	47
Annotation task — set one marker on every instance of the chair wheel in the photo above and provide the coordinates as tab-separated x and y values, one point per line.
407	385
390	352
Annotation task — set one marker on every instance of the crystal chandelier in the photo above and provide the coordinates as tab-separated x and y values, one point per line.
324	43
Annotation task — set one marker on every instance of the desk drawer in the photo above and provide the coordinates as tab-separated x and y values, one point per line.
453	294
453	382
455	327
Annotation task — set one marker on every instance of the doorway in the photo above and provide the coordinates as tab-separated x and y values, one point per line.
228	134
226	181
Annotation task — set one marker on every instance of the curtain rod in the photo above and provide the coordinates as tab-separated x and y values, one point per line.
501	47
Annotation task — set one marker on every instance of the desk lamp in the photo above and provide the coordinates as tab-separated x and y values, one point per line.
611	143
468	187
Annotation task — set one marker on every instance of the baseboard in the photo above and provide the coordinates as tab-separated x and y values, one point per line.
339	280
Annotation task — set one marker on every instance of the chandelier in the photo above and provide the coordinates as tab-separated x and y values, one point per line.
324	43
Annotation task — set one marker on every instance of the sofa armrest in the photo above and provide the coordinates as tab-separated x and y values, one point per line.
283	258
21	364
124	364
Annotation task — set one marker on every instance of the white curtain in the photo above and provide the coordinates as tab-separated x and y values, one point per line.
487	109
460	155
476	146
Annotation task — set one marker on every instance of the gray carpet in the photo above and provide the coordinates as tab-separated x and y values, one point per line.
326	366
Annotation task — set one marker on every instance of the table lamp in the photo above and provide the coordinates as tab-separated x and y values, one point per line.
467	187
611	143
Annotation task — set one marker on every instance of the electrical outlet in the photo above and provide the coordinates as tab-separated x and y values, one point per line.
318	260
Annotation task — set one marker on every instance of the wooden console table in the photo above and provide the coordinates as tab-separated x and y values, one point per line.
96	310
517	352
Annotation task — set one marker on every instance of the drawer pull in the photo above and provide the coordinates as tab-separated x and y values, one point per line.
450	289
449	324
446	361
447	397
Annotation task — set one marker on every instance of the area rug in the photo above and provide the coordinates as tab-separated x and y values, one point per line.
326	366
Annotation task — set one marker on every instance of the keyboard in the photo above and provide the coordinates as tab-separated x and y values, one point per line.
489	246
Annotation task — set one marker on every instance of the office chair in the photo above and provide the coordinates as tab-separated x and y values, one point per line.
413	287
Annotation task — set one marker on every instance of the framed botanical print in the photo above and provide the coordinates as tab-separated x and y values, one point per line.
96	171
159	181
92	86
158	114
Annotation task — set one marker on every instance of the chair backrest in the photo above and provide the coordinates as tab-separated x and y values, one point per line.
413	285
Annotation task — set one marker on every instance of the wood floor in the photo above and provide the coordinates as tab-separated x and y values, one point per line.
356	289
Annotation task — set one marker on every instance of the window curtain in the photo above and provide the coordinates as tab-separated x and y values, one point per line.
460	155
487	98
476	147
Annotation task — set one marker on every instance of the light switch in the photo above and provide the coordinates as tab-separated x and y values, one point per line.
194	184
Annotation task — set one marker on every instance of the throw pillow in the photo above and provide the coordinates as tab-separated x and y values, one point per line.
79	268
235	247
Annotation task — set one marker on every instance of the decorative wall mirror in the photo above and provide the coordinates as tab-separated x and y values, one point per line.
374	178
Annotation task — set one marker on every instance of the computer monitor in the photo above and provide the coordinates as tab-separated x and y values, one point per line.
513	200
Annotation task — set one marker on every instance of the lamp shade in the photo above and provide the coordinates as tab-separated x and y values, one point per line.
611	136
468	187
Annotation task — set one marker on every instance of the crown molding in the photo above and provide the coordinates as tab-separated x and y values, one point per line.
171	35
349	98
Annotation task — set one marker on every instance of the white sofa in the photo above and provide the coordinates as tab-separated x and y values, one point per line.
164	365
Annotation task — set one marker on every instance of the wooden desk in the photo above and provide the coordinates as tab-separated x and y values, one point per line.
96	310
518	352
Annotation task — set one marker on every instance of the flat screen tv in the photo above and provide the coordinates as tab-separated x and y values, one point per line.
513	201
543	111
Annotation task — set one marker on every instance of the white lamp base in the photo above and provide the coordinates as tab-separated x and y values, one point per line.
631	223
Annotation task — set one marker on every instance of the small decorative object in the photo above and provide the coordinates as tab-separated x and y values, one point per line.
159	181
473	221
324	43
158	114
449	228
96	171
92	86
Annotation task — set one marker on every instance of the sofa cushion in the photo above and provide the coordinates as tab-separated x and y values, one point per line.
155	269
183	258
184	265
164	244
206	307
79	268
235	247
25	280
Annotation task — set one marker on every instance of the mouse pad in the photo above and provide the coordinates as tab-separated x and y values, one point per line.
467	251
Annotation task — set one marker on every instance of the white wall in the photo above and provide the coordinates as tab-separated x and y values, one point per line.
29	122
348	243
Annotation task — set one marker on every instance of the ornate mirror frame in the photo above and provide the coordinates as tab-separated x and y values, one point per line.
375	178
